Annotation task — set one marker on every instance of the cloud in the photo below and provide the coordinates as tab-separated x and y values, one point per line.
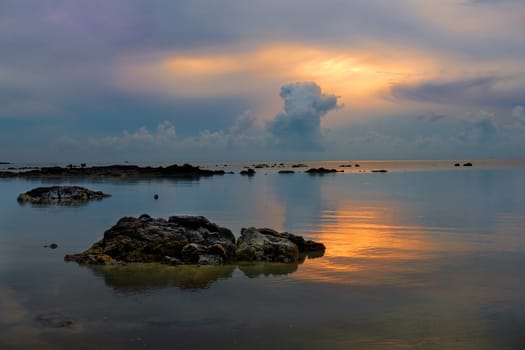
164	136
298	126
518	113
481	91
243	123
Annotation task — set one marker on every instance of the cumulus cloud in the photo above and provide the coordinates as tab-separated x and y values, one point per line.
243	123
298	126
518	113
163	136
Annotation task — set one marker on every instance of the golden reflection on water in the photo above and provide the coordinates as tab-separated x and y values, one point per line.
368	244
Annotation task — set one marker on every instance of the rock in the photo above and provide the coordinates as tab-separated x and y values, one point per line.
380	171
303	245
118	171
345	165
7	174
261	166
300	166
249	172
357	165
168	260
51	246
254	245
467	164
286	172
191	239
53	320
457	164
156	196
65	195
321	171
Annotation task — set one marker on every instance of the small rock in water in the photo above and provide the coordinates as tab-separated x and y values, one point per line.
53	320
60	195
249	172
53	246
155	197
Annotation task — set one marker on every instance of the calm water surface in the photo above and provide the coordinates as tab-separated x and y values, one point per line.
424	257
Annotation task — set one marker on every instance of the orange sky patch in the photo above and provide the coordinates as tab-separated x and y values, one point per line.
361	78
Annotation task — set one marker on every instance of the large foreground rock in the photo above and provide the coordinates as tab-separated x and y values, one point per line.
180	239
65	195
192	240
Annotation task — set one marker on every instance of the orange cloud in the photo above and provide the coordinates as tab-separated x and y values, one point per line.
359	77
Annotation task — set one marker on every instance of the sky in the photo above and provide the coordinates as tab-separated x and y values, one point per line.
237	80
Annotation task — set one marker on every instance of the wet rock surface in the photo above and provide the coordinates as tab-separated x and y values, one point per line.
191	240
61	195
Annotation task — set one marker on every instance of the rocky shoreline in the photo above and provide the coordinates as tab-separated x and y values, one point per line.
113	171
192	240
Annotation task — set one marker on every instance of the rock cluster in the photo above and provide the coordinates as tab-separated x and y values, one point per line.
115	171
64	195
321	171
191	240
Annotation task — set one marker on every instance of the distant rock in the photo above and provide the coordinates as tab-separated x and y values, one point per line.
249	172
457	164
7	174
286	172
191	240
345	165
60	195
321	171
300	166
117	171
467	164
380	171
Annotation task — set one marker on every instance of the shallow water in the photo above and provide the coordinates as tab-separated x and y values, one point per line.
423	257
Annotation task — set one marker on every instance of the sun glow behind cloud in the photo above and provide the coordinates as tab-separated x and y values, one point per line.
359	77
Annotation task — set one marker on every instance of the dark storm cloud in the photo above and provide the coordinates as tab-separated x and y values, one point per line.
482	91
298	126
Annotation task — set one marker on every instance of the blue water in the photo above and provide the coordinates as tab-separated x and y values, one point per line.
418	258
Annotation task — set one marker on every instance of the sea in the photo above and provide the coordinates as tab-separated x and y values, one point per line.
427	255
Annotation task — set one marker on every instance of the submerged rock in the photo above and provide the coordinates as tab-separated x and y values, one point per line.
53	320
191	240
65	195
